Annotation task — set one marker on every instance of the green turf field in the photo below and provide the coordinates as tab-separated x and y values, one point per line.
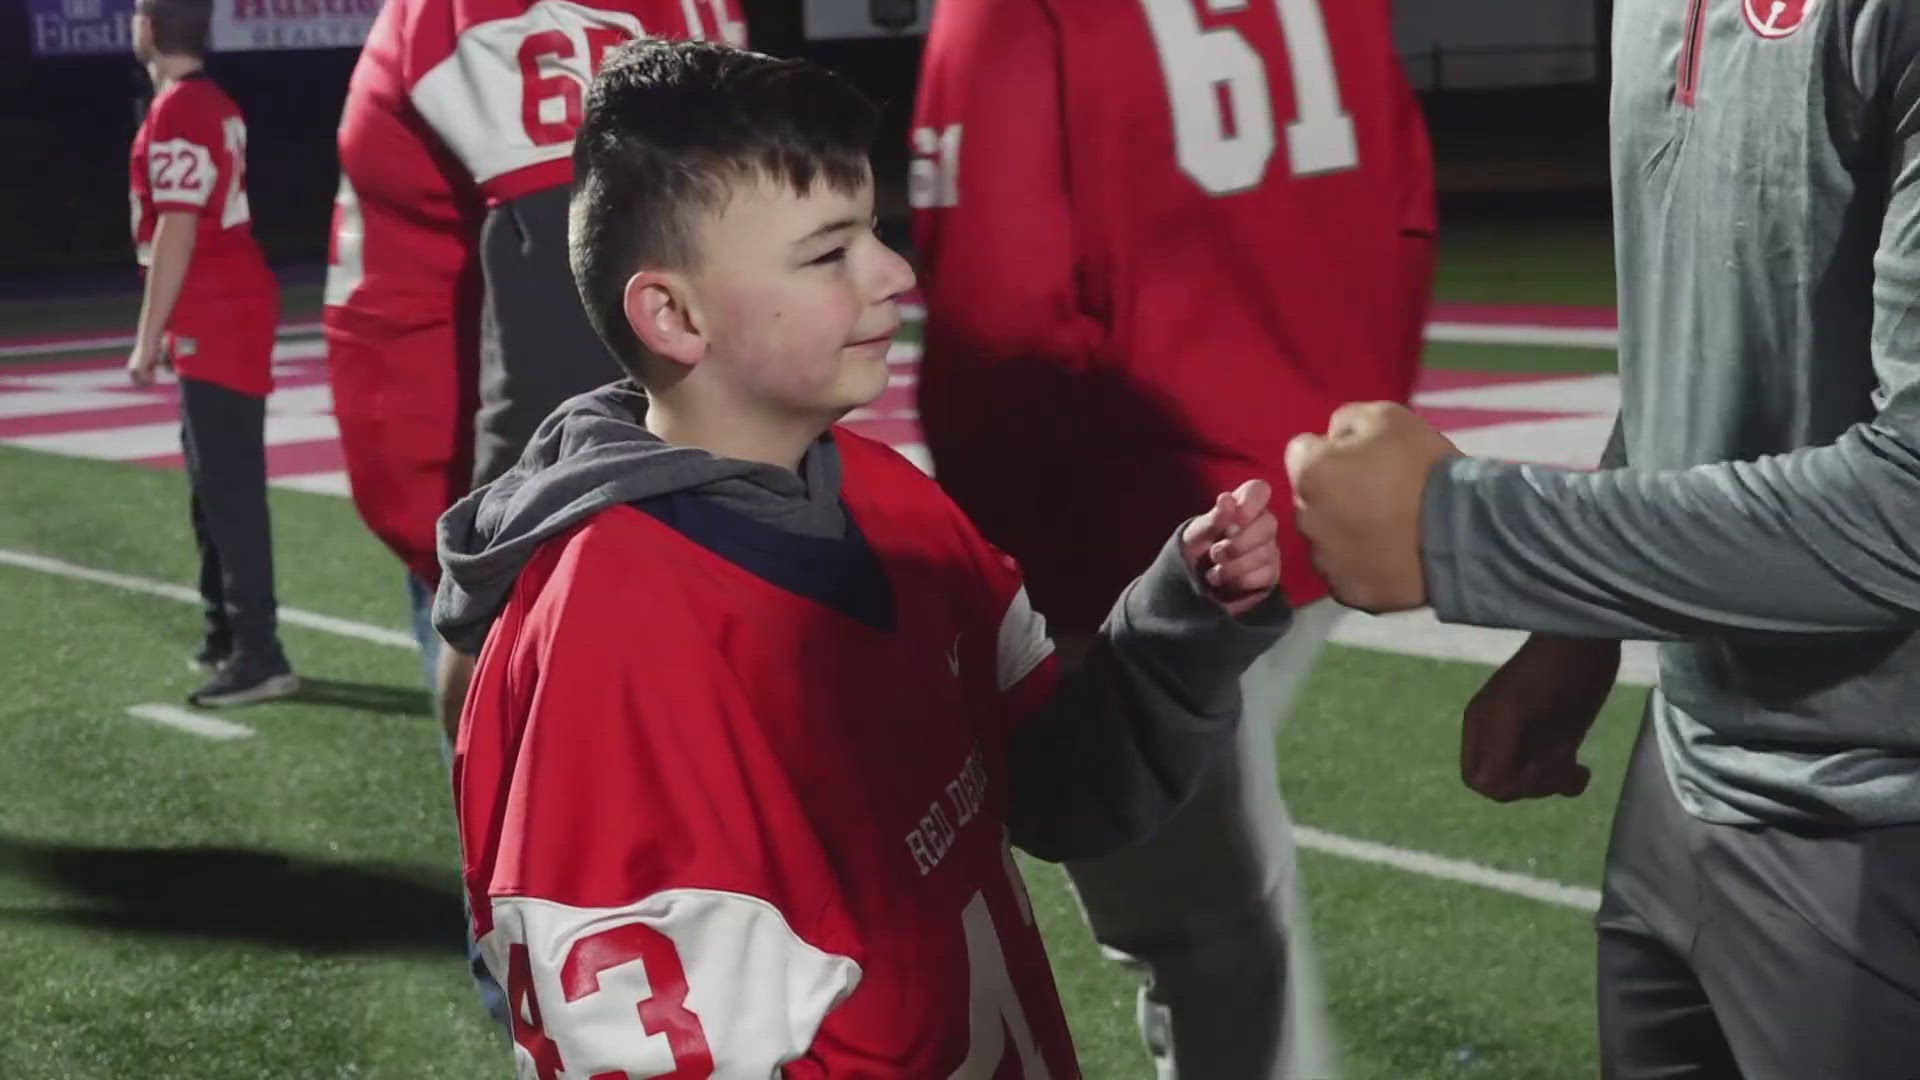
286	905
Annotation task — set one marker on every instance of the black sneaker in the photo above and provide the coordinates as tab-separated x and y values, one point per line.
211	656
243	682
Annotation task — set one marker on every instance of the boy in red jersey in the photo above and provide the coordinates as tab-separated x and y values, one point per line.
758	712
210	310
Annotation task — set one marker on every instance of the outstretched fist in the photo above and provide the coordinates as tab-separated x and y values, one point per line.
1233	547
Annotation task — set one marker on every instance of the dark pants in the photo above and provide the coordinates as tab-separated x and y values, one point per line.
223	433
537	348
1755	953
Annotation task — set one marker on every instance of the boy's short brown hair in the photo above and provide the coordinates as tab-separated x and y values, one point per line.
669	128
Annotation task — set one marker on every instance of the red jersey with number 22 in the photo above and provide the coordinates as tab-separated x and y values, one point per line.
713	827
504	81
190	155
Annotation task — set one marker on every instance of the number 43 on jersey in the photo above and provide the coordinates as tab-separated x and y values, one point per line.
1221	100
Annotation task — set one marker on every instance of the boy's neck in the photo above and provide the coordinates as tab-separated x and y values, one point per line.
683	422
165	69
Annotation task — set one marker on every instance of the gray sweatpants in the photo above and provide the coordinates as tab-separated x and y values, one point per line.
1755	953
1209	912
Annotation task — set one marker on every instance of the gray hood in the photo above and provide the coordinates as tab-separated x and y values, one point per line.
595	452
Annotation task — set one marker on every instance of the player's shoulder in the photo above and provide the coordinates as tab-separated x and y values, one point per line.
193	100
893	489
613	548
869	464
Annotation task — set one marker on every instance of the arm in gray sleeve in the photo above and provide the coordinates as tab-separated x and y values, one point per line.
1127	736
1824	540
1820	541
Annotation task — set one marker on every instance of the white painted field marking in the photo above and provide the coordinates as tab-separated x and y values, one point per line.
1556	337
1418	633
326	624
136	441
323	483
1427	864
193	723
1423	863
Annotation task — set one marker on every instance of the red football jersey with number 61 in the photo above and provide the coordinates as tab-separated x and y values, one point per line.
1160	238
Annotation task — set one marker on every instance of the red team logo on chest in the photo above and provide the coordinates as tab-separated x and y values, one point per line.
1776	18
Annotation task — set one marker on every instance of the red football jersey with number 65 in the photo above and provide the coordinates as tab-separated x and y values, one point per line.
455	105
503	81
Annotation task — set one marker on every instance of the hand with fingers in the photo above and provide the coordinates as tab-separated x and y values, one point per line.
1357	491
1522	732
146	357
1233	547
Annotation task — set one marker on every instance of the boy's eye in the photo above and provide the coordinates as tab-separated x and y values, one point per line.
834	256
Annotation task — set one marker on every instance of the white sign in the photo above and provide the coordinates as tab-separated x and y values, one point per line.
828	19
242	25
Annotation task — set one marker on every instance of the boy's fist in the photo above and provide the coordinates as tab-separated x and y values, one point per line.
1232	547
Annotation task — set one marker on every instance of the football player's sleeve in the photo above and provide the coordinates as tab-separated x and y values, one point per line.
642	882
1101	755
1815	542
184	155
993	222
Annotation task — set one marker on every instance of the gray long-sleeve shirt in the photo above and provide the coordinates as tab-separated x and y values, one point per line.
1767	527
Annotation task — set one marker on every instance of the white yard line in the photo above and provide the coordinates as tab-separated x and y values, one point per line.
1427	864
1423	863
327	624
122	341
1571	441
136	441
1559	337
1418	633
192	723
1597	394
320	483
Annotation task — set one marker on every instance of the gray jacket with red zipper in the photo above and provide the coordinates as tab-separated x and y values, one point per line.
1766	176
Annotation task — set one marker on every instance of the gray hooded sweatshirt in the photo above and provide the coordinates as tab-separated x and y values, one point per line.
1128	734
1766	175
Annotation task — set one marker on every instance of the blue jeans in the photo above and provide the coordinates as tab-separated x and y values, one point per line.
421	600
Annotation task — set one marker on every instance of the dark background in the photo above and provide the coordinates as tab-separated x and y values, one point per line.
65	124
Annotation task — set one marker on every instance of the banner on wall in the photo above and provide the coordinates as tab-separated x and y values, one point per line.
90	27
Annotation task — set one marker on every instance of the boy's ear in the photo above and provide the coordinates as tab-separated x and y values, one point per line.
659	309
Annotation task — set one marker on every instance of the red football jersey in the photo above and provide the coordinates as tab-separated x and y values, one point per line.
190	155
403	301
504	81
452	102
1159	238
713	827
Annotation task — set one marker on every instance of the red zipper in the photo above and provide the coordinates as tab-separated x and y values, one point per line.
1689	78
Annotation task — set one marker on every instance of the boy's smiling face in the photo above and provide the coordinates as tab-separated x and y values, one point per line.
797	298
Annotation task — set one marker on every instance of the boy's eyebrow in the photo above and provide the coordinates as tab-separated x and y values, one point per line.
830	227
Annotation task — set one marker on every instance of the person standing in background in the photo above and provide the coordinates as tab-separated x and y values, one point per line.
453	326
450	257
210	309
1156	244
